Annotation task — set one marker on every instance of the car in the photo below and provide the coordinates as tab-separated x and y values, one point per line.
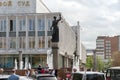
45	77
88	75
5	77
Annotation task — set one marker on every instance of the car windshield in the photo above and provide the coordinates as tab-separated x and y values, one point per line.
46	78
77	77
3	79
95	77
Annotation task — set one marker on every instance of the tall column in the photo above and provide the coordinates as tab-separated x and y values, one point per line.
46	30
36	32
95	60
17	31
20	60
7	33
26	20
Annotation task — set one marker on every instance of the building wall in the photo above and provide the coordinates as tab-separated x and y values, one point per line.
67	43
25	27
83	54
41	7
22	6
18	34
28	33
107	45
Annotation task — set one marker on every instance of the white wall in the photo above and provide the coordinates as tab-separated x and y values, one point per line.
41	7
21	6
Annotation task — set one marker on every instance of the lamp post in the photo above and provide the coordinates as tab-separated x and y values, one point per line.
20	60
95	62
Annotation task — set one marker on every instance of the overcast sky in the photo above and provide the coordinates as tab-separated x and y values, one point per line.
97	17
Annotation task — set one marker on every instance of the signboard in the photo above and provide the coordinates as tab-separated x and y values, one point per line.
17	6
10	3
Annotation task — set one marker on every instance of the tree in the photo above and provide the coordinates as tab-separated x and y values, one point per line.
89	62
116	59
100	64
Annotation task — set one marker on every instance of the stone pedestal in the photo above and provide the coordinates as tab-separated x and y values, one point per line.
55	55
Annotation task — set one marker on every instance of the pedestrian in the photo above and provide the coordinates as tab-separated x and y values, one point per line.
46	68
1	71
39	69
13	76
55	72
28	73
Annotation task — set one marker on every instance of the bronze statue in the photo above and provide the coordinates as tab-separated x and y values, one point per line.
55	29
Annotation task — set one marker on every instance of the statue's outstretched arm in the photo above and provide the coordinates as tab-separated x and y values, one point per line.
59	17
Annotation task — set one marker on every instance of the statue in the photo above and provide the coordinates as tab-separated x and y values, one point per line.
55	29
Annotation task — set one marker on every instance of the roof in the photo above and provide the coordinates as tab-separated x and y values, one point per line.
117	67
45	75
88	72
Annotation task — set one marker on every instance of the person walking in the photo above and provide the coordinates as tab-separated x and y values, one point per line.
13	76
39	69
46	68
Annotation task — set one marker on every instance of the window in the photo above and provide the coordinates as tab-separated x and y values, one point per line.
8	62
41	42
31	42
41	24
22	25
2	42
39	59
31	24
12	25
49	23
22	42
2	25
49	42
13	42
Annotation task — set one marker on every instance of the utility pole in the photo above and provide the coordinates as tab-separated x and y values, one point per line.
95	60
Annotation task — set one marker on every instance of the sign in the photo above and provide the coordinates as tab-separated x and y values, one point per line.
19	3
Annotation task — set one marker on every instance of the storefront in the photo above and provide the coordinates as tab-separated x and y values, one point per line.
8	61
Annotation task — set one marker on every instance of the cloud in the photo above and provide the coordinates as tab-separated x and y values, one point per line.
97	17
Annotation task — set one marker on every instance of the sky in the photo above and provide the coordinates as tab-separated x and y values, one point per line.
96	17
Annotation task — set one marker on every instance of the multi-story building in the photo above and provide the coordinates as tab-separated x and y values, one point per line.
80	48
106	46
25	35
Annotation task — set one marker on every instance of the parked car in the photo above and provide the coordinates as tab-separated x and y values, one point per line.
45	77
5	77
88	75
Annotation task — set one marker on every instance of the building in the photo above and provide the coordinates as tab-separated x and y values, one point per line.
80	53
25	36
106	46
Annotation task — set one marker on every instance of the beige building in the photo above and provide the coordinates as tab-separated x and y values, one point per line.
25	32
106	46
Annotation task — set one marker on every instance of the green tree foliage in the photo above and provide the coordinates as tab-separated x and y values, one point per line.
116	59
89	62
100	64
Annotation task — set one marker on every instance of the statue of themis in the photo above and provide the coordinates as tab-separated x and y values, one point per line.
55	29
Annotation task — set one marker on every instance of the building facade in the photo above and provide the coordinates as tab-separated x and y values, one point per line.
25	35
106	46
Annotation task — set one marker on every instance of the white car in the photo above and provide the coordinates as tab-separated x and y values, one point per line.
45	77
5	77
88	75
